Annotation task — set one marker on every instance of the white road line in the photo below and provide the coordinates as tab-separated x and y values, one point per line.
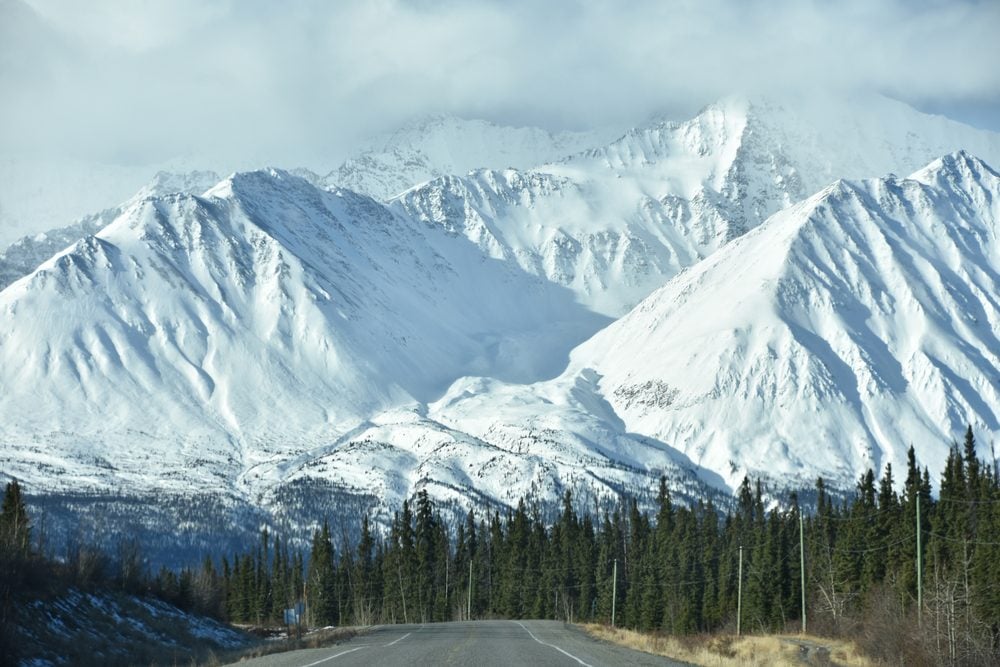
399	640
351	650
570	655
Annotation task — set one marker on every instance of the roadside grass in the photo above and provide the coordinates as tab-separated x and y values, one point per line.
744	651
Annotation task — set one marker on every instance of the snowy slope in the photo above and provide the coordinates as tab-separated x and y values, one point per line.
614	223
441	145
830	339
22	256
507	448
265	316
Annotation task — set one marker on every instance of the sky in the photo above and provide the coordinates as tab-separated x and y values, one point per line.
301	82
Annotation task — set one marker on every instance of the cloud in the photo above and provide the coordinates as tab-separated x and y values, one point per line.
299	82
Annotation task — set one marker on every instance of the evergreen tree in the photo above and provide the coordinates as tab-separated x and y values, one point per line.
15	529
585	555
426	566
321	580
365	587
971	460
889	530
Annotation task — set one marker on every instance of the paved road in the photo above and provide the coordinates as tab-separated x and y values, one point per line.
478	643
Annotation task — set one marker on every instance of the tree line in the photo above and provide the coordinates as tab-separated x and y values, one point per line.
679	569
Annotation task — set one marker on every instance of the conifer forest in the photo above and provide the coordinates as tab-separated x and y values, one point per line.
895	562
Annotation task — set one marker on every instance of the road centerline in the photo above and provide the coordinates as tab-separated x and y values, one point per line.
566	653
351	650
397	640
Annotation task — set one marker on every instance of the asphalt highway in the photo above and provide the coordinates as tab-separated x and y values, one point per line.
478	643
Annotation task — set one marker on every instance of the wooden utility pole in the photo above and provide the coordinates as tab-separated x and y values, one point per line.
920	585
802	569
739	594
614	592
468	609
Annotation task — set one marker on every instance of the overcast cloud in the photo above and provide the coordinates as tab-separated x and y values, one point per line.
300	82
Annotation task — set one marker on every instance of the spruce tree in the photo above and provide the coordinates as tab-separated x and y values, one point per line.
425	537
972	466
363	577
15	529
321	580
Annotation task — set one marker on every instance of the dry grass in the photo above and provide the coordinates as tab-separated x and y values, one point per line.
745	651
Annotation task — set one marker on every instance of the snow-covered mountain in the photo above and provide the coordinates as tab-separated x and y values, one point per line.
266	316
22	256
280	342
441	145
615	223
831	338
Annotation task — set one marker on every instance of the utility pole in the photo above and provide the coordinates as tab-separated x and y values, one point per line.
739	594
920	586
614	592
468	609
802	569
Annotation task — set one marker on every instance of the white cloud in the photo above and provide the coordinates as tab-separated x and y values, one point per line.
299	81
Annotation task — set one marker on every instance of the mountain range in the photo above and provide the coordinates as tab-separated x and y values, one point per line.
749	292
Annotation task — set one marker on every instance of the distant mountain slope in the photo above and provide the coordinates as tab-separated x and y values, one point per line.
442	145
614	223
830	339
265	316
503	448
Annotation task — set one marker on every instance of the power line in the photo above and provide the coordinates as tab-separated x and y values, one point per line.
962	501
962	540
883	547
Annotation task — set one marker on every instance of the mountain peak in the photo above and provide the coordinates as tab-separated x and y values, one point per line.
261	182
959	164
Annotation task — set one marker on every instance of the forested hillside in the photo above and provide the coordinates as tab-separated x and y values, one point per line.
678	571
682	570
